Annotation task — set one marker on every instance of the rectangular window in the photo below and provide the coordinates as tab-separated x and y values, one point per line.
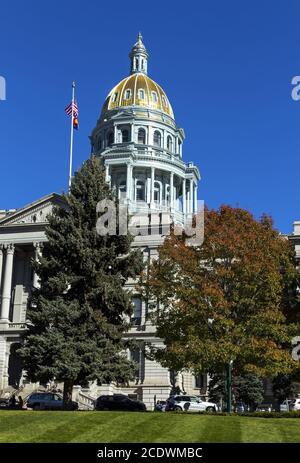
137	311
135	356
199	381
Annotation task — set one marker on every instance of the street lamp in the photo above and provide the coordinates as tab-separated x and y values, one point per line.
229	386
228	375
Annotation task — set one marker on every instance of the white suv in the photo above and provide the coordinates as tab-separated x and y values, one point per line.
295	404
192	403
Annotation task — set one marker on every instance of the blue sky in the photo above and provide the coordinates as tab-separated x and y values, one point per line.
225	66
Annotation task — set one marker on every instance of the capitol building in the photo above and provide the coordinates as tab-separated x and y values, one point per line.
138	142
140	146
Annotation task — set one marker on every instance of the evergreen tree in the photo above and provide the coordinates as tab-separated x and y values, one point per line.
284	387
78	316
247	388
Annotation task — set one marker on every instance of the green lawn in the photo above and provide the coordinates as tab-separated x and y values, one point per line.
34	426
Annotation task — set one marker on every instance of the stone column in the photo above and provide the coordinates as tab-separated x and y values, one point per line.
195	197
184	196
107	173
132	132
171	190
115	134
37	254
148	188
129	182
152	184
6	292
191	197
1	264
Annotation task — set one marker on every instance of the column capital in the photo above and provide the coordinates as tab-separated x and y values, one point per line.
38	244
10	248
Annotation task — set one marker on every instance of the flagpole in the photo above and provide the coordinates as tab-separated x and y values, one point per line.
72	131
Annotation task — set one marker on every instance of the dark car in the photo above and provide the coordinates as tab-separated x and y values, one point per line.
47	401
4	402
266	407
119	402
240	407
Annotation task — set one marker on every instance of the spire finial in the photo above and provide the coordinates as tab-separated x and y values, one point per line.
139	56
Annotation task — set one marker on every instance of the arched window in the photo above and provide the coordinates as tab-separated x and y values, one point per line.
164	100
140	190
122	189
110	139
154	96
157	138
127	94
179	147
114	98
167	194
142	136
141	94
136	63
125	136
169	143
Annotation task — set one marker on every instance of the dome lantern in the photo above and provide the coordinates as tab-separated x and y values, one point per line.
139	57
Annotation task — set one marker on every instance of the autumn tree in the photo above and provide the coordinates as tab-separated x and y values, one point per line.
227	300
77	319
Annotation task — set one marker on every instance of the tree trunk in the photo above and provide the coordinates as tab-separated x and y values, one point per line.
67	397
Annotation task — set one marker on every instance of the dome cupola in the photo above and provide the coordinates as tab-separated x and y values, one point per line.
139	57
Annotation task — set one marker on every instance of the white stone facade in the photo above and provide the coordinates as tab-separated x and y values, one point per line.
295	238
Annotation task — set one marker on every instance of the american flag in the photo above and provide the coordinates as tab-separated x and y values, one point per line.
68	109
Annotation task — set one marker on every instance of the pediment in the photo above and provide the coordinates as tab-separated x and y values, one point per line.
34	213
121	114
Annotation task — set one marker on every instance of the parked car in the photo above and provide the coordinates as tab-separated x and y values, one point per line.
264	408
240	407
4	402
285	406
119	402
160	406
190	403
294	405
11	403
47	401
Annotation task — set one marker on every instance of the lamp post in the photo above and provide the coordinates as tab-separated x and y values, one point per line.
229	386
228	375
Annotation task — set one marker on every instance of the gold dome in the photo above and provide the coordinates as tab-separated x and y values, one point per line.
138	90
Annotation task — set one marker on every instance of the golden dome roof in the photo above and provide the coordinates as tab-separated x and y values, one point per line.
138	90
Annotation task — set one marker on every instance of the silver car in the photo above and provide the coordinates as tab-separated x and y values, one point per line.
47	401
